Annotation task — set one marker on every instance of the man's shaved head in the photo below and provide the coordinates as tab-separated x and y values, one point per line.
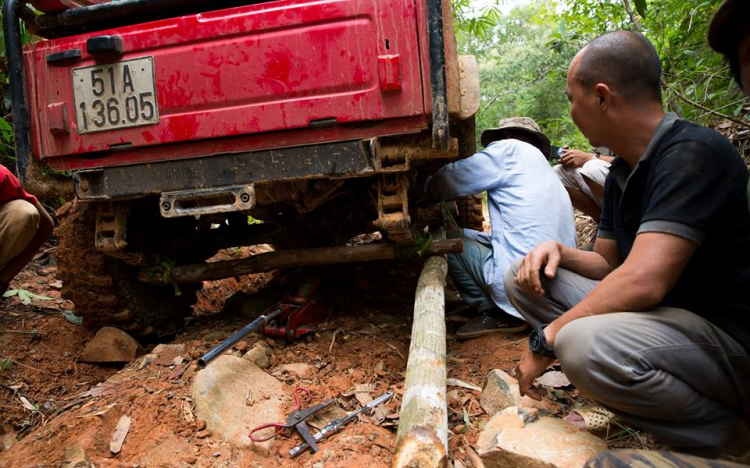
624	60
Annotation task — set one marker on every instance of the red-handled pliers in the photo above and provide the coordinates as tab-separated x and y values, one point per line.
296	419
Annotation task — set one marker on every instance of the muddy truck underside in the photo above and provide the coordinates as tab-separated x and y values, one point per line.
195	126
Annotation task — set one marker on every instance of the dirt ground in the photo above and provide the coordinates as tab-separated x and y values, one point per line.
71	405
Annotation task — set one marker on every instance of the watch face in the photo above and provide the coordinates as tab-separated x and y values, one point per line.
535	341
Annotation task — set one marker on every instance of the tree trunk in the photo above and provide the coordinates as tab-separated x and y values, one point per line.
298	258
422	439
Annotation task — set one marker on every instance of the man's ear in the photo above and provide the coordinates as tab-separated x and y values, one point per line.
603	95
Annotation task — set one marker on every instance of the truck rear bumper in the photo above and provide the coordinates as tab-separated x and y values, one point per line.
340	159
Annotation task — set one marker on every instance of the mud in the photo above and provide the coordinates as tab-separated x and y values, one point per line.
365	341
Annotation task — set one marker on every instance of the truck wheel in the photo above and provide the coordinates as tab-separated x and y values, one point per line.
107	292
470	213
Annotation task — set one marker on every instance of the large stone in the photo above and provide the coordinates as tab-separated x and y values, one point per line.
511	438
233	395
111	345
260	354
499	391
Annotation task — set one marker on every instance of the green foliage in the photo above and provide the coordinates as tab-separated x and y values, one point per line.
523	63
523	58
5	364
693	73
25	296
473	22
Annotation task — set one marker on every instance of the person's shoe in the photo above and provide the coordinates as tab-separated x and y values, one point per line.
491	322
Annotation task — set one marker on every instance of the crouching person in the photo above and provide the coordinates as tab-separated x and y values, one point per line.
655	322
24	226
527	204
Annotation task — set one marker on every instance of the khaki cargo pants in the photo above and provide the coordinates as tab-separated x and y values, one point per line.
19	221
667	371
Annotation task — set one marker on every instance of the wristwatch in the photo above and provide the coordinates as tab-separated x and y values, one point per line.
538	343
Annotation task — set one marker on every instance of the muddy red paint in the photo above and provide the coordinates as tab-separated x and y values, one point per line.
257	69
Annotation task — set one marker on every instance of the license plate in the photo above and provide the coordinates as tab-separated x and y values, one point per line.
115	95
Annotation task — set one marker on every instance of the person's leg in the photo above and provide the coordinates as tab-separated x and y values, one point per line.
467	271
584	203
667	371
594	174
578	190
560	294
596	189
19	221
653	459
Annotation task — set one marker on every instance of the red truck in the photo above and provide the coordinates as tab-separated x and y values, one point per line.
183	120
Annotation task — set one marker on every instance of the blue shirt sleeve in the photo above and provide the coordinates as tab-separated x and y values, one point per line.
475	174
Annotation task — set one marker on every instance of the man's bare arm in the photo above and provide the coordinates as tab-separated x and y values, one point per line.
651	270
551	255
12	268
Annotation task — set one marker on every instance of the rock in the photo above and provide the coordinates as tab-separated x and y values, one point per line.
203	434
241	346
200	425
7	441
214	335
111	345
513	439
219	393
499	391
168	352
189	459
146	360
299	370
258	356
76	457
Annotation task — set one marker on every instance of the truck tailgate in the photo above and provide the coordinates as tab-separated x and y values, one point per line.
259	68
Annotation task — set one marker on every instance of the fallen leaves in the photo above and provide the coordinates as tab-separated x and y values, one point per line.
462	384
118	436
555	379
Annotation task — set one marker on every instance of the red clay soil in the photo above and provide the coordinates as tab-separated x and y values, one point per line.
365	341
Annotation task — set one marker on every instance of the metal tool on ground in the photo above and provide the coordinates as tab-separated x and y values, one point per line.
338	424
298	315
295	420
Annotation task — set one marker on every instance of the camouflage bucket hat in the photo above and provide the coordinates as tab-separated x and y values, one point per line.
523	124
729	25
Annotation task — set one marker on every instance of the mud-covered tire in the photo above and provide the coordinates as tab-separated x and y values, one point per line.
470	214
106	291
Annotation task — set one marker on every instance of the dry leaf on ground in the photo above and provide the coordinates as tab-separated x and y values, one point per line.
555	379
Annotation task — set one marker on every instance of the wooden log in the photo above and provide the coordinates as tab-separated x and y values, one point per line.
422	438
295	259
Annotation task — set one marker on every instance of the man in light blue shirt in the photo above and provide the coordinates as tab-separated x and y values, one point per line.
527	205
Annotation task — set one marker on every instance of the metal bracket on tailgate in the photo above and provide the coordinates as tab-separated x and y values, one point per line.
207	201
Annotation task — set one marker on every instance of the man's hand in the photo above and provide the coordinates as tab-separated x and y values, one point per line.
575	158
531	367
548	255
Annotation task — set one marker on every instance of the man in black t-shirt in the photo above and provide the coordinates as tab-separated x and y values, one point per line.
655	322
